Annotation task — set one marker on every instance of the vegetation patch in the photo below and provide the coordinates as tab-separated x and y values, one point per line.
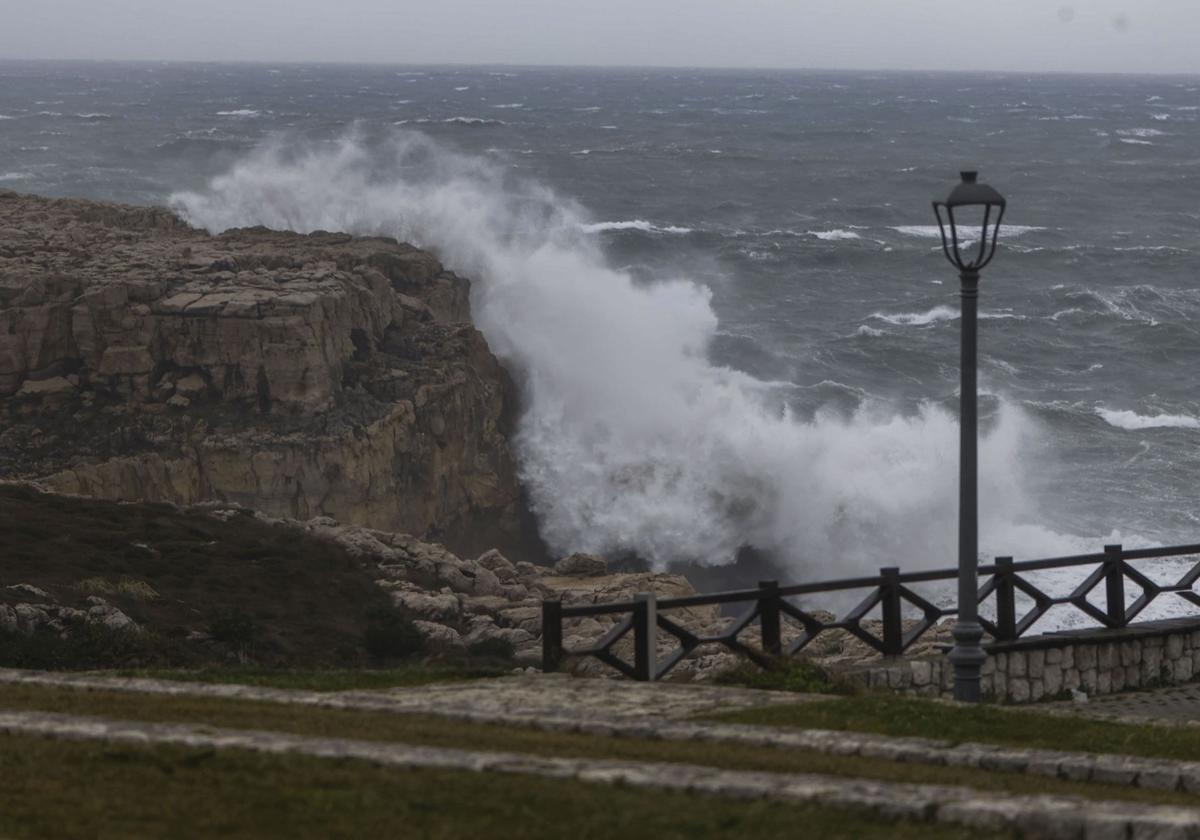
437	731
203	589
96	790
405	675
795	675
888	714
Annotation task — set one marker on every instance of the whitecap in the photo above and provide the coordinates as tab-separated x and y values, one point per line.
635	224
1133	142
6	117
834	235
918	319
1140	132
1132	420
13	176
933	232
240	112
472	121
464	87
1160	117
510	105
868	331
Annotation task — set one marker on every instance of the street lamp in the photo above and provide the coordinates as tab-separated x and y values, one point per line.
969	204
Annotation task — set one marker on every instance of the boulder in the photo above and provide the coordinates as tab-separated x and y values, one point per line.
581	565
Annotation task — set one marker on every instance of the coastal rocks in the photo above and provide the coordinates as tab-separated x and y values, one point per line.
44	613
298	375
581	565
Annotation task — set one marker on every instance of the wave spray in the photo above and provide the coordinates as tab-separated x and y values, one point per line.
630	438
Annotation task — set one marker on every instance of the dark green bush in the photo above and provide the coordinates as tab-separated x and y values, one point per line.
495	648
389	635
87	646
787	675
234	629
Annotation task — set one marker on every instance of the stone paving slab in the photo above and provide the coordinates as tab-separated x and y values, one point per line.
531	694
1048	816
1171	706
611	708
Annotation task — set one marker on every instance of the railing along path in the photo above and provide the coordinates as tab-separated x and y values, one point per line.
889	590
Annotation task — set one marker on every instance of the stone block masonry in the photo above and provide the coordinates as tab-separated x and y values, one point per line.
1052	665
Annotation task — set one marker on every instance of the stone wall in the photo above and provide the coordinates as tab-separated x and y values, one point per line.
1053	664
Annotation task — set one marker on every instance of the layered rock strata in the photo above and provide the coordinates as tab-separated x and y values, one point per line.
304	376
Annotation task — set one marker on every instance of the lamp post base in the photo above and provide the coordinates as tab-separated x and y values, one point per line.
967	657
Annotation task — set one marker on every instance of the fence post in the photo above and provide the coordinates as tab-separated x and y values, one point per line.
551	635
645	648
893	630
1114	585
1006	601
768	617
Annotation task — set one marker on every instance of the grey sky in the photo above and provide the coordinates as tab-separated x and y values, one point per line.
1141	36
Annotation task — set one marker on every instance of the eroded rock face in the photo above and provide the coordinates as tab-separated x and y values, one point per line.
300	375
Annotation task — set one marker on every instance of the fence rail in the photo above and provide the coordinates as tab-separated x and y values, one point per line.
889	590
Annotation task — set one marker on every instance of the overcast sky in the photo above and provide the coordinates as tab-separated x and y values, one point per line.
1140	36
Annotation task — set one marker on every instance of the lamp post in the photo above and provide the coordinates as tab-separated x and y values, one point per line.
966	203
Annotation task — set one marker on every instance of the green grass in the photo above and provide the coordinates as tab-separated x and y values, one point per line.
789	675
891	715
442	732
94	790
334	679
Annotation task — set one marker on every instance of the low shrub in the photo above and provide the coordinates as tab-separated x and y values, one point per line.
494	648
787	675
389	635
88	646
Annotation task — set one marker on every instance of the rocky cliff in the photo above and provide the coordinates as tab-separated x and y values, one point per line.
319	375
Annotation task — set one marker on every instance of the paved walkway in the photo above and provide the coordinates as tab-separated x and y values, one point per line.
1173	706
1044	816
626	709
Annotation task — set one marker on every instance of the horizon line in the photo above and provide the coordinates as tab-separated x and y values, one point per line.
256	62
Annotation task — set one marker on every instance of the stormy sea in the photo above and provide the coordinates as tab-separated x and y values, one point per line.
722	293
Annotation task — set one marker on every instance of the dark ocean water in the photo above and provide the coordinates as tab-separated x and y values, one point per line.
800	201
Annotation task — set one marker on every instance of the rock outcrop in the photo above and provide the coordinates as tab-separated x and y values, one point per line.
304	376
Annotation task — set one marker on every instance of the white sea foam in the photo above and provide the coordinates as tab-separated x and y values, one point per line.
1133	420
918	319
462	88
472	121
834	235
6	117
939	313
508	105
933	232
1140	132
239	112
630	439
13	176
633	224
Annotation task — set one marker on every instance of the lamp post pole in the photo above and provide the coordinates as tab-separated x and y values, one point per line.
967	655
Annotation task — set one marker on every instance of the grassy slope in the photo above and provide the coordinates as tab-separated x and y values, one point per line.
331	679
91	790
890	715
441	732
305	599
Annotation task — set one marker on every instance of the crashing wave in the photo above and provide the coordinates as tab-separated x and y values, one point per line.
630	438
